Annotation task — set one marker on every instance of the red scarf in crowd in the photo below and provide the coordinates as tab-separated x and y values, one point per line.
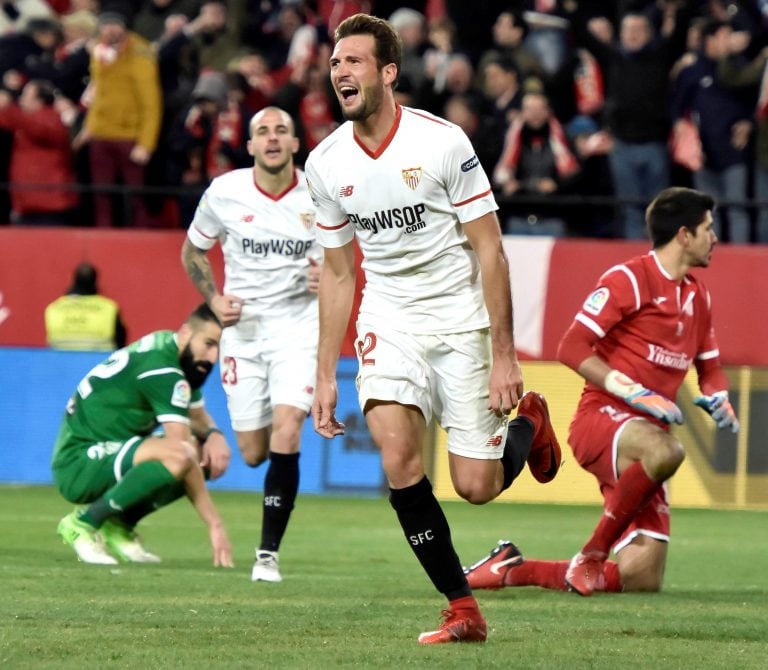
565	162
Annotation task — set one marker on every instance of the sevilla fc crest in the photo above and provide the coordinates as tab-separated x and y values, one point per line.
307	219
412	177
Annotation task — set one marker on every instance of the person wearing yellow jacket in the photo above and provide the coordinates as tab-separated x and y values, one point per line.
84	320
122	123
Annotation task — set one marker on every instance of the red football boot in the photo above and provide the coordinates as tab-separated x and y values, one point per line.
489	572
545	456
460	624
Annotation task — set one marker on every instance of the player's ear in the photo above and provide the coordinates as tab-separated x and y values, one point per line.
389	74
295	145
184	335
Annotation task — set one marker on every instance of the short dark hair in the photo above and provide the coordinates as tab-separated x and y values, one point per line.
201	314
712	26
46	92
85	279
676	208
389	46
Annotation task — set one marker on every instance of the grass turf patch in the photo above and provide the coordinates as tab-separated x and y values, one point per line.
353	595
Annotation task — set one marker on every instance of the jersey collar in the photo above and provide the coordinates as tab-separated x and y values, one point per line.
277	197
387	140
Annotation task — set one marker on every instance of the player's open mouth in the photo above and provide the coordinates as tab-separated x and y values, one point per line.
348	92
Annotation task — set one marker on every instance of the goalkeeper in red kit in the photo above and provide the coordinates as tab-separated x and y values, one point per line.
645	323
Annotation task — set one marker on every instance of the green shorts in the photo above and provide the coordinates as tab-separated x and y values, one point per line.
84	470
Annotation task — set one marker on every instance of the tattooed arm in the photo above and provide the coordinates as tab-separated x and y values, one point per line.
198	268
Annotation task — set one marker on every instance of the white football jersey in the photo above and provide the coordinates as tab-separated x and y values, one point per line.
266	240
406	203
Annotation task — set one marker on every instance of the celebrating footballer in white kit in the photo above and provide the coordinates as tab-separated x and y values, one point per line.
264	220
434	333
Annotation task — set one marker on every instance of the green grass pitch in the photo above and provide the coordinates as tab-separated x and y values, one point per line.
354	596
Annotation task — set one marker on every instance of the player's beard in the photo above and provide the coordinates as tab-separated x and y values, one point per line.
196	372
372	98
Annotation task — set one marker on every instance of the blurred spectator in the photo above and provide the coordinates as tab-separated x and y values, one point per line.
509	32
474	21
637	111
180	53
15	14
464	112
41	158
459	80
288	43
207	139
260	86
73	55
502	89
149	21
573	80
536	160
441	37
592	145
723	118
410	25
735	72
29	53
82	319
333	12
123	119
316	117
215	40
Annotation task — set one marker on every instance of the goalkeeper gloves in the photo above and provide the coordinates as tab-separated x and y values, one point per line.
720	409
641	398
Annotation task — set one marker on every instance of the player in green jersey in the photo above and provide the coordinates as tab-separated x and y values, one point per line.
108	456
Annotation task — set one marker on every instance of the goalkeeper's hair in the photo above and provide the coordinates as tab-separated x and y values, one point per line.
200	315
676	208
389	47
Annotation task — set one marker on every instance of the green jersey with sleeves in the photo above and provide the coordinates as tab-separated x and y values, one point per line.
132	392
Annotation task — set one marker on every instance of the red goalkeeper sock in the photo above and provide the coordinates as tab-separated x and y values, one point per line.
633	491
551	575
547	574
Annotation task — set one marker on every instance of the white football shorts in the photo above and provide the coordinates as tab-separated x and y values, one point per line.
443	375
274	365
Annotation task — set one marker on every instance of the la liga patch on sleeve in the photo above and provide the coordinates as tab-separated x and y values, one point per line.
596	301
182	394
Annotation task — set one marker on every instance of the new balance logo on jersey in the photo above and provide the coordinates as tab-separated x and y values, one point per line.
493	441
246	218
295	248
410	219
346	191
660	299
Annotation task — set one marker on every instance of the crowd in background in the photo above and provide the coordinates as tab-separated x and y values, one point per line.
564	100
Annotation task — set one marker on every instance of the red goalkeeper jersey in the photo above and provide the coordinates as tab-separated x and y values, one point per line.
646	324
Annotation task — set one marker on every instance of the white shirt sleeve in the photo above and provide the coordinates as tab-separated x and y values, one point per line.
465	180
206	226
332	228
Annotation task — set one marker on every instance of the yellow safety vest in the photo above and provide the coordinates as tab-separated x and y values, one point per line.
81	322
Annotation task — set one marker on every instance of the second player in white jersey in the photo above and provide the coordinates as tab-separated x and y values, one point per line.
267	239
264	220
406	203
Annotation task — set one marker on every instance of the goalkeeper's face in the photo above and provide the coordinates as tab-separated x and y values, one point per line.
702	243
273	141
